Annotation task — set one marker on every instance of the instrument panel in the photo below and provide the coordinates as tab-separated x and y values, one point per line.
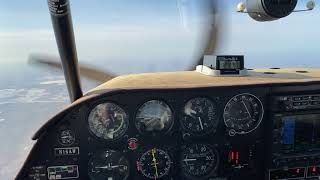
191	134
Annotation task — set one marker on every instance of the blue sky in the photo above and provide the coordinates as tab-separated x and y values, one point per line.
149	35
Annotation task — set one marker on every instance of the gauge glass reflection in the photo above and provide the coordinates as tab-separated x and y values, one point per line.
108	121
154	117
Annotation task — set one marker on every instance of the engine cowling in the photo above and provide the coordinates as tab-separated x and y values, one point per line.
269	10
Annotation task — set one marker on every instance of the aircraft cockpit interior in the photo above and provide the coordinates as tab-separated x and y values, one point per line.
218	121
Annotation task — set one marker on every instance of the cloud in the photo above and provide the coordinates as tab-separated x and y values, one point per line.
15	46
130	44
39	34
1	119
34	95
52	77
156	43
57	82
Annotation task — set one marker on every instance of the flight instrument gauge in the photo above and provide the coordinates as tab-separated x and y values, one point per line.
108	121
66	137
155	164
154	117
243	114
200	116
108	165
199	160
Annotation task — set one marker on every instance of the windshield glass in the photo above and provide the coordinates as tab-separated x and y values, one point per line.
288	42
158	36
128	36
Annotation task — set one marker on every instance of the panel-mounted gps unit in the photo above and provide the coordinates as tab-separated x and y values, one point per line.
297	133
294	137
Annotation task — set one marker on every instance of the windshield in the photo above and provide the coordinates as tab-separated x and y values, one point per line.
129	36
158	36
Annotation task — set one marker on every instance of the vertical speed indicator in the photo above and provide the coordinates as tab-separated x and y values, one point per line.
243	114
199	161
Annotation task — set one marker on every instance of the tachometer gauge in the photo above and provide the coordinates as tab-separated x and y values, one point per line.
108	165
200	116
155	164
243	114
108	121
154	117
199	160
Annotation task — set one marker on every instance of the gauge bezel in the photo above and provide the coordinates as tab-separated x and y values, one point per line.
154	134
94	105
260	118
213	170
204	133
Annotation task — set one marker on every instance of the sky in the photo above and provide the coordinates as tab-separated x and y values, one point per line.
151	35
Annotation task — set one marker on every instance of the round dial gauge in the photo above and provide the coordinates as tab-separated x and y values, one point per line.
108	165
243	113
66	137
199	160
154	117
108	121
155	163
200	116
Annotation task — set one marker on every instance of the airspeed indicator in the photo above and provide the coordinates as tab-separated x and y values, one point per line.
200	116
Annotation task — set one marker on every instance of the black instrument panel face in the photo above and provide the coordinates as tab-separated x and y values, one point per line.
191	134
156	135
